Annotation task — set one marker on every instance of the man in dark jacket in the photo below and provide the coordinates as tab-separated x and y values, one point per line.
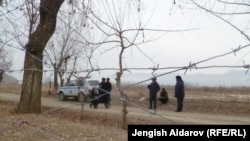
153	89
179	93
109	88
102	93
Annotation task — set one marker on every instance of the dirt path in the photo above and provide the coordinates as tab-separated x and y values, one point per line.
170	116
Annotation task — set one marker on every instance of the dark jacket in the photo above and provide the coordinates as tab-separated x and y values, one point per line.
153	88
164	95
108	86
179	89
102	87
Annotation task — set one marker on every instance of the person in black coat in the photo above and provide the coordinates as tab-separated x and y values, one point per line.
163	96
94	98
153	89
103	93
179	92
109	88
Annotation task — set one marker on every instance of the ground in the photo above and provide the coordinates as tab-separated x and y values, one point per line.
63	120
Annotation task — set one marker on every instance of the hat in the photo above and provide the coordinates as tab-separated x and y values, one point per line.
153	78
178	77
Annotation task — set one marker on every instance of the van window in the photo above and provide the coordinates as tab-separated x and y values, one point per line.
81	82
72	83
93	82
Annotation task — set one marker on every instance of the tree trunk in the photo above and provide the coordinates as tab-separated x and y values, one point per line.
55	77
1	75
30	100
118	83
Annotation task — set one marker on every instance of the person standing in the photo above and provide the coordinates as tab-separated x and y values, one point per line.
153	89
102	92
109	88
179	93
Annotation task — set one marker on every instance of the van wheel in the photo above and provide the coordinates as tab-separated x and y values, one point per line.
61	96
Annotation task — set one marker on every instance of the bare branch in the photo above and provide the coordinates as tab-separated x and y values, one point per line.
213	13
234	3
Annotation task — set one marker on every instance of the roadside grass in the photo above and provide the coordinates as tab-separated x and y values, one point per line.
58	125
224	100
66	124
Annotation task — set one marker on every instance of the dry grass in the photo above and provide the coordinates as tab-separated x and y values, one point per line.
60	125
16	88
63	124
66	124
226	101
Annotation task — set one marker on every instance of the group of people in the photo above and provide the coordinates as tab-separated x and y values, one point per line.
105	88
179	93
103	94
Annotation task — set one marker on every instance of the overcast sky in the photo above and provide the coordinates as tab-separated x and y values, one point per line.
210	37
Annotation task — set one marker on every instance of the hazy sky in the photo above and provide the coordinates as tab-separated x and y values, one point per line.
210	37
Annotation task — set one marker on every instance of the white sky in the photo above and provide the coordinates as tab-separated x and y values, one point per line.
212	37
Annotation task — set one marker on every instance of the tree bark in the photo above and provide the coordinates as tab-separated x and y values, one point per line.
1	75
55	77
30	100
118	82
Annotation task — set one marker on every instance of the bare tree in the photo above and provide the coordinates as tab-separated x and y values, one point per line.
115	26
64	47
42	18
5	57
5	62
30	100
38	35
111	25
10	14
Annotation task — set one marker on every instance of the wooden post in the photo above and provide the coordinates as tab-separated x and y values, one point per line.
82	105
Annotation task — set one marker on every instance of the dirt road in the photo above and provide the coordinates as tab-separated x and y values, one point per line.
170	116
